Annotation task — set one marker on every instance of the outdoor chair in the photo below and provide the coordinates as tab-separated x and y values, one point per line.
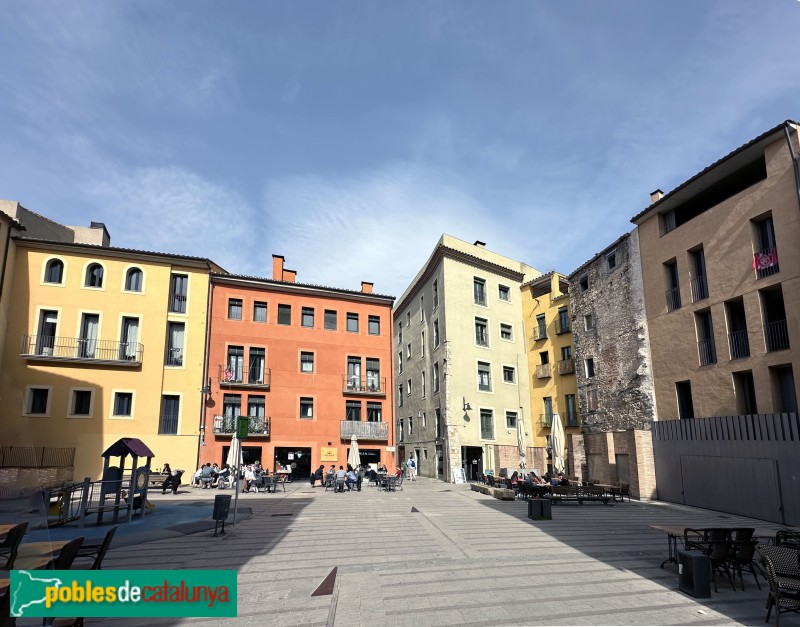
10	545
742	558
330	482
173	482
5	610
780	568
67	555
716	545
96	552
340	483
788	538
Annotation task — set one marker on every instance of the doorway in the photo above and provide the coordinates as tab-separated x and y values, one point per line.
370	457
472	462
250	455
298	459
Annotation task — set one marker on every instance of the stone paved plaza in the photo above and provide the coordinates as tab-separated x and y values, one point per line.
439	554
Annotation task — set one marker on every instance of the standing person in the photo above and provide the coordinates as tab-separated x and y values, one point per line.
411	465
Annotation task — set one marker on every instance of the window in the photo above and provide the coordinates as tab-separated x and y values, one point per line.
353	411
258	360
438	416
584	283
422	418
87	344
256	406
123	403
235	371
408	318
611	261
503	292
745	393
48	324
410	425
422	344
400	430
572	411
94	275
81	404
484	376
374	411
373	374
38	401
705	338
511	420
399	332
175	332
354	373
589	367
506	332
699	282
352	323
170	411
285	314
400	395
487	424
435	294
481	332
306	361
435	377
479	291
422	308
424	388
330	320
232	405
547	407
436	333
668	221
178	290
374	325
683	390
765	259
591	399
133	280
673	288
563	320
588	322
307	317
408	387
306	408
544	357
566	352
259	311
400	362
509	374
234	309
541	327
54	271
408	350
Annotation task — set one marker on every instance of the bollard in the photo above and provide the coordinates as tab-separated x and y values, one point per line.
222	505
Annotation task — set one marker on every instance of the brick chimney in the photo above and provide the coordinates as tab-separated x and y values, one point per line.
277	267
289	275
656	196
366	287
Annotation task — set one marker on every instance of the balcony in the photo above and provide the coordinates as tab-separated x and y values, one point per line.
371	386
364	430
708	352
740	344
539	333
699	288
257	426
255	378
566	366
82	350
765	262
545	421
673	299
777	334
563	326
543	371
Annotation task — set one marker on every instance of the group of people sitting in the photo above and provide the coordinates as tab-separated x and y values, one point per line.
339	479
212	476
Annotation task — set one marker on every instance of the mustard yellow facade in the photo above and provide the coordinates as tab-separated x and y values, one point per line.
548	328
104	343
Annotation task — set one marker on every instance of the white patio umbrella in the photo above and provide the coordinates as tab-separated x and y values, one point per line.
234	459
354	457
557	433
521	442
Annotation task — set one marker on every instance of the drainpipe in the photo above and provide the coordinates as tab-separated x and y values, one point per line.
206	379
794	162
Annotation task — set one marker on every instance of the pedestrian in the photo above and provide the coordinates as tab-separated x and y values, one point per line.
411	465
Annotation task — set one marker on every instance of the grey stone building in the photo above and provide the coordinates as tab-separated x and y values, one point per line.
612	353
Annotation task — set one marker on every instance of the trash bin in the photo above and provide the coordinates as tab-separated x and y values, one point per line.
222	506
540	509
694	574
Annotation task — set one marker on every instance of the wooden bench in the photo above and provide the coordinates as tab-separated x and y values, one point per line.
579	494
620	490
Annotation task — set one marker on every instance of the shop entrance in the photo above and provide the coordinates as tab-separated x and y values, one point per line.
250	455
370	457
472	462
298	459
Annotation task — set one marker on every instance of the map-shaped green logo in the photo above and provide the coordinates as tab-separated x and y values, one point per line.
29	591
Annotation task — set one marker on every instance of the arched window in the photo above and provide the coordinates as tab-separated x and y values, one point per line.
133	280
54	271
94	275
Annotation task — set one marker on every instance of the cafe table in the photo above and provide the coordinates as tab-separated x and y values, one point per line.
36	549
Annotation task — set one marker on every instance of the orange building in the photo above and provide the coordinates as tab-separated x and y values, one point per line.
310	366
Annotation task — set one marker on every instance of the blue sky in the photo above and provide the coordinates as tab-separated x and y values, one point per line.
347	136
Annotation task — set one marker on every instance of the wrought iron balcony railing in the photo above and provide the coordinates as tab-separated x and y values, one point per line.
543	371
566	366
545	421
539	332
699	288
244	377
777	334
708	352
740	344
765	262
375	386
257	426
168	424
562	326
673	299
85	350
364	430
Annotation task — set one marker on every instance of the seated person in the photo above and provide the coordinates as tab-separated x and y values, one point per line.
398	473
197	475
514	478
318	475
341	475
382	468
205	476
371	475
172	482
350	479
224	477
249	477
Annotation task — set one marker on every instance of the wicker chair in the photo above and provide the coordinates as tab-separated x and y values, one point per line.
10	545
784	593
715	543
788	538
742	558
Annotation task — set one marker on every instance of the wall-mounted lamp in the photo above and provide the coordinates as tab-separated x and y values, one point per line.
206	388
466	404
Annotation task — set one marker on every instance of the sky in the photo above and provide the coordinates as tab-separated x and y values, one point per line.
347	136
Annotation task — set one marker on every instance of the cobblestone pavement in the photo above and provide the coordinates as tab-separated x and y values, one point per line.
439	554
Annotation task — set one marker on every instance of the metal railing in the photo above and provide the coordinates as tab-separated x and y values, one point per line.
545	421
563	326
543	371
371	385
539	332
572	420
364	430
566	366
708	352
777	334
256	425
765	262
673	299
699	288
245	377
174	357
739	343
177	303
81	349
168	424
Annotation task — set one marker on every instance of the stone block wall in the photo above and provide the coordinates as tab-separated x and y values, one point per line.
508	457
34	478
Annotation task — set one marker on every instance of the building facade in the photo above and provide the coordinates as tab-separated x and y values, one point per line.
460	364
309	366
721	276
551	357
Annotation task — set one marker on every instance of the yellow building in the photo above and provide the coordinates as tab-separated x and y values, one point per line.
545	305
104	343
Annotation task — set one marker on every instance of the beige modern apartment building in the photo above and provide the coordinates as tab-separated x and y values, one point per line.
460	361
721	274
